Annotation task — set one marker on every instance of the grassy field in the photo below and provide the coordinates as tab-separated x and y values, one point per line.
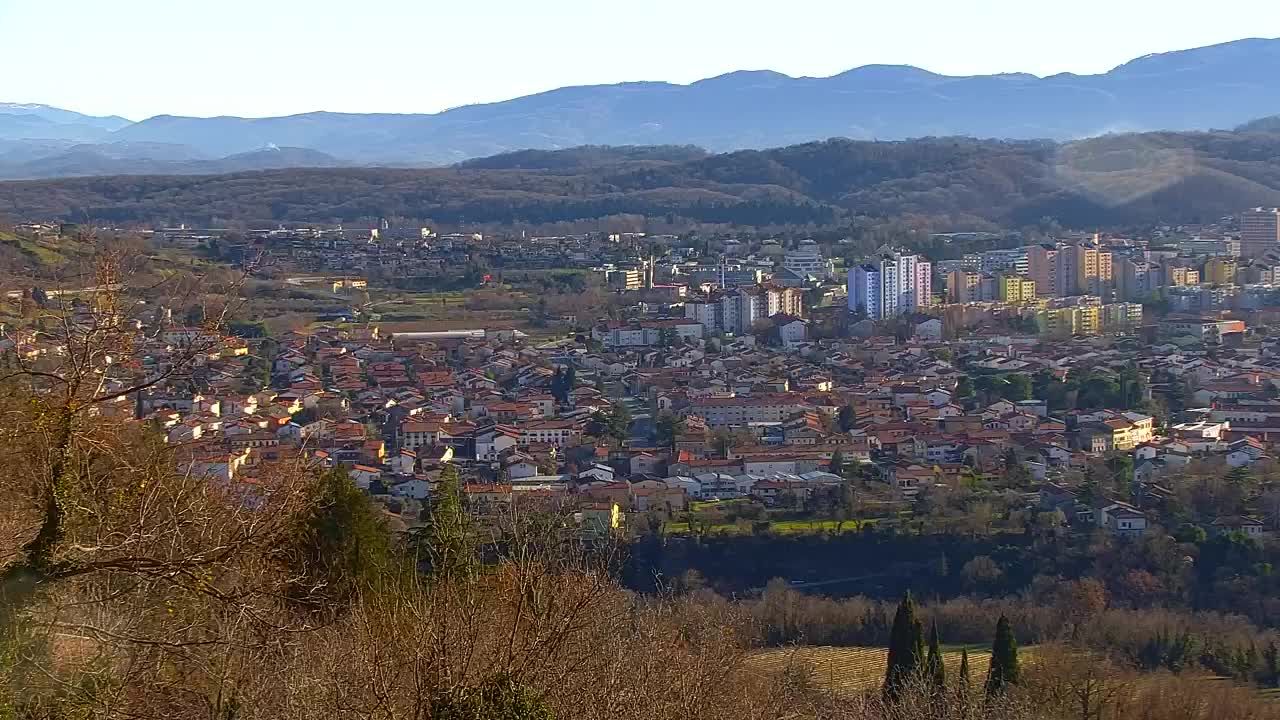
852	670
857	669
782	527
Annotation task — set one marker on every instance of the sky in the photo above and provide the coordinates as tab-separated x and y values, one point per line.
253	58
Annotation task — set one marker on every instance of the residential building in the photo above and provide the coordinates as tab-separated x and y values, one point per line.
1043	269
723	411
807	259
962	286
1134	278
894	284
723	276
1121	519
1259	231
1198	246
1220	271
737	311
1012	261
1180	275
1017	290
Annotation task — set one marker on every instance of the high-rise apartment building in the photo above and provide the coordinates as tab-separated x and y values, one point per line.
1135	278
1061	270
891	285
1042	268
1259	231
736	311
1091	269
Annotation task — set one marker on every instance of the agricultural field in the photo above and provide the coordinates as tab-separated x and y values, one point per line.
850	670
781	527
857	669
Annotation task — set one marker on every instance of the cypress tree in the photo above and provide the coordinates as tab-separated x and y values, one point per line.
933	667
449	542
906	649
1004	659
966	685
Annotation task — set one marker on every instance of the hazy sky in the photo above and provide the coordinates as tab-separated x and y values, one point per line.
139	58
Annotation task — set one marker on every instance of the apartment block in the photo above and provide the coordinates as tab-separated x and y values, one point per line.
1017	290
892	285
1259	231
1220	271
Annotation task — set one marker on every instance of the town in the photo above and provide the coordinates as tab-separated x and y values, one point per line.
669	385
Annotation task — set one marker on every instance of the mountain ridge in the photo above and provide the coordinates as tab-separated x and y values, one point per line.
1218	86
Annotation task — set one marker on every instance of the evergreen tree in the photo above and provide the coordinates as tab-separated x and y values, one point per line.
933	667
906	649
449	549
342	546
846	418
965	686
557	384
1004	659
836	466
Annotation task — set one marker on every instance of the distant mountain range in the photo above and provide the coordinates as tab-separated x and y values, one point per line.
1220	86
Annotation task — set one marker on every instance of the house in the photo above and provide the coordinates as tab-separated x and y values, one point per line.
519	465
791	330
645	463
1247	526
597	473
1121	519
363	475
1053	496
220	465
658	495
1096	439
417	488
491	444
1243	453
404	463
929	330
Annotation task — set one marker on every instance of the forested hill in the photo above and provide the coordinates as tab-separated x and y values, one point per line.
1112	180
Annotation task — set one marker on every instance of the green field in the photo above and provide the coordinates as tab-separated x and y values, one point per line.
856	669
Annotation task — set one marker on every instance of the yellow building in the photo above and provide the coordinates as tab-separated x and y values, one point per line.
1121	317
1017	290
1178	276
1093	270
1088	320
1058	322
1220	271
1141	430
1121	434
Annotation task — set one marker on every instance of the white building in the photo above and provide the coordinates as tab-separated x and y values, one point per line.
807	259
893	285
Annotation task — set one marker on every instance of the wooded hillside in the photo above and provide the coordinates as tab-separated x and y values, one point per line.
958	182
